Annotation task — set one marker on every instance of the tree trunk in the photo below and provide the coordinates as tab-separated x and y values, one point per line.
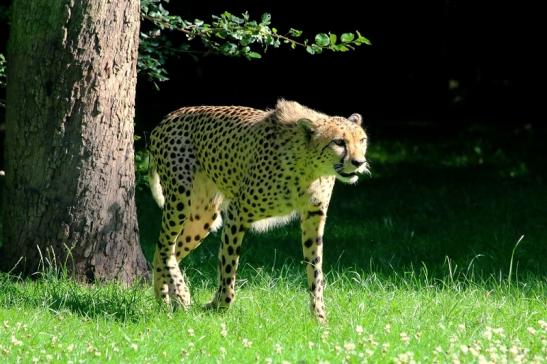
70	184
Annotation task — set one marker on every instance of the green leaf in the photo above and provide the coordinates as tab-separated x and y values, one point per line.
347	37
322	40
266	18
295	32
225	34
236	19
228	48
360	40
253	55
317	49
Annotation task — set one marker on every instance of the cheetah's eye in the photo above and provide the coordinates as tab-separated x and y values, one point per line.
363	140
339	142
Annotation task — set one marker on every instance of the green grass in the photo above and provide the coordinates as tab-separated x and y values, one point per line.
422	264
379	319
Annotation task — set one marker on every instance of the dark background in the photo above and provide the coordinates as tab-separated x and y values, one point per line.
491	51
440	62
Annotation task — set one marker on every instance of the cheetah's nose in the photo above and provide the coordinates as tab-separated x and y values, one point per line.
357	163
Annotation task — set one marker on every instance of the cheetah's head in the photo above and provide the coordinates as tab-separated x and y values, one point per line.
342	145
337	145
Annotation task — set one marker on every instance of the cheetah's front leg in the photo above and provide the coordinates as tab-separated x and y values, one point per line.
228	258
312	223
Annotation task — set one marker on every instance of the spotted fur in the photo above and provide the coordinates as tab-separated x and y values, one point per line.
255	168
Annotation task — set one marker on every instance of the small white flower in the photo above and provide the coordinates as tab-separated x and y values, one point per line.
499	331
406	358
349	346
487	333
359	329
404	337
371	341
531	330
474	350
514	350
223	330
464	348
190	332
278	348
134	346
387	328
543	324
461	327
15	341
247	343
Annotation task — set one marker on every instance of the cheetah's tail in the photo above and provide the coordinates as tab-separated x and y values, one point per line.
154	182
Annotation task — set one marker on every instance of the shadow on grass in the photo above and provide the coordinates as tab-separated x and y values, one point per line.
57	293
422	215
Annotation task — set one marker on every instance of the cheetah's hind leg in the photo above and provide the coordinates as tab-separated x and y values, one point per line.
169	283
204	215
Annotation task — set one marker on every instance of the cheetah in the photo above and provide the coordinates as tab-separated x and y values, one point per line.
251	169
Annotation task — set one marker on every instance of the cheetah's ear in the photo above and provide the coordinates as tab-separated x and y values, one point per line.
356	118
307	126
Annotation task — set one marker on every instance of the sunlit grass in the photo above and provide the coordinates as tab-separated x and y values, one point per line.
371	319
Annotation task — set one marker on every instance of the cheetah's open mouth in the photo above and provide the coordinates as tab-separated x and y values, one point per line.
339	169
347	175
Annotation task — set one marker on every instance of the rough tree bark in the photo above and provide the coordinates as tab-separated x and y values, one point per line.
69	138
